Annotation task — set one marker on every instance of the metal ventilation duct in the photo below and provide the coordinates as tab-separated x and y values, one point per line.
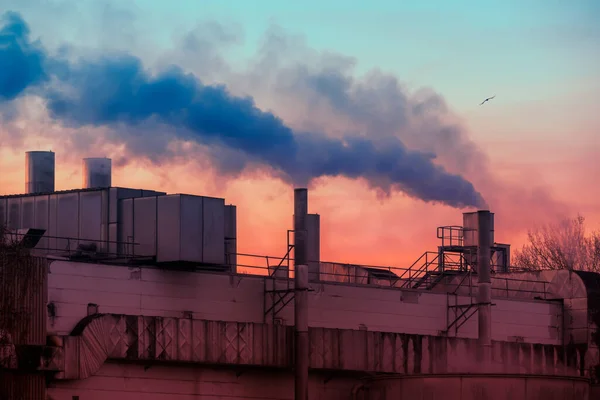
39	172
97	173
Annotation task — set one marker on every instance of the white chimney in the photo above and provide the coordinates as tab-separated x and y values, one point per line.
96	172
39	172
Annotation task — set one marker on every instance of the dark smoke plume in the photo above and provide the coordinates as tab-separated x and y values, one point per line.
21	61
118	90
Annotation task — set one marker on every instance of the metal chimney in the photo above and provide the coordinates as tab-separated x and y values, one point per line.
96	173
301	342
300	226
39	171
484	290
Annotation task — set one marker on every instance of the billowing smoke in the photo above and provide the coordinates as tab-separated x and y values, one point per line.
21	61
116	90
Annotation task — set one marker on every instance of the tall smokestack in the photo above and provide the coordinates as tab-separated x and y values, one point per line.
300	226
97	173
39	171
301	294
484	294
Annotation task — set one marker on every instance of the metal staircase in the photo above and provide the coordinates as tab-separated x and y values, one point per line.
454	265
278	289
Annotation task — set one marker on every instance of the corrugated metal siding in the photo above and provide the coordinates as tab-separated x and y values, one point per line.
24	293
18	386
23	287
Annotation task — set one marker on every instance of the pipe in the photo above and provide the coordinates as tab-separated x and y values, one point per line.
484	295
301	332
301	294
313	246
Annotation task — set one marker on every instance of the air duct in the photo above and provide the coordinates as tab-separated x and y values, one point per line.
39	172
97	173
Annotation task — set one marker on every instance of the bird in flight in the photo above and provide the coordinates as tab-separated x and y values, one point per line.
489	98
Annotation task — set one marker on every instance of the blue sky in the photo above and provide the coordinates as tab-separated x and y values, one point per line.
464	49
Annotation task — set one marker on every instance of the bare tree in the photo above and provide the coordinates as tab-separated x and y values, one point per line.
561	245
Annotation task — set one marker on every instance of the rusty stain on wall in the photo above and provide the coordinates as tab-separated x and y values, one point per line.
139	338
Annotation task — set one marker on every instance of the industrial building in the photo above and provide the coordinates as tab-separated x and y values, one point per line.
141	294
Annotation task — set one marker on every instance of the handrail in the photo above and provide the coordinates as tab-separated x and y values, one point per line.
423	270
399	277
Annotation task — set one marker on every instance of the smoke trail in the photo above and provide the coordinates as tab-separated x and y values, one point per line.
21	61
116	90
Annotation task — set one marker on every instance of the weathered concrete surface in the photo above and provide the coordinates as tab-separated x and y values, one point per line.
475	387
137	338
147	381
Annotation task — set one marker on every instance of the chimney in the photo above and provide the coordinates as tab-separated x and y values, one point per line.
484	289
96	173
301	277
39	172
300	226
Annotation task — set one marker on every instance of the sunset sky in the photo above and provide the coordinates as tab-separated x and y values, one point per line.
392	73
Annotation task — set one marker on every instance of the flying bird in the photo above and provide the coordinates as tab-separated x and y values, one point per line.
489	98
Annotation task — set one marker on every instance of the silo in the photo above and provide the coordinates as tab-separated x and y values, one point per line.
96	172
39	172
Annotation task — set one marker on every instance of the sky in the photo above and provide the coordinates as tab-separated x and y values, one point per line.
373	105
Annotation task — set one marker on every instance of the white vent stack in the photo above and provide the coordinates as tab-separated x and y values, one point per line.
97	172
39	172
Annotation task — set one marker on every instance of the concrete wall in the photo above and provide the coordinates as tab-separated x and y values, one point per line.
155	292
155	382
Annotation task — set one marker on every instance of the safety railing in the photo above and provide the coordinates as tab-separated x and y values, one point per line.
451	235
454	279
64	246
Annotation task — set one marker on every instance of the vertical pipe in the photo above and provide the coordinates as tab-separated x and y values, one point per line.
313	246
301	326
231	237
301	294
484	295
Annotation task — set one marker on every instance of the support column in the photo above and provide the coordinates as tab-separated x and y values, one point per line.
301	332
484	294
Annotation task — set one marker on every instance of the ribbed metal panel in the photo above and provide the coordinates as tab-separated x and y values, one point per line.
15	385
23	299
23	293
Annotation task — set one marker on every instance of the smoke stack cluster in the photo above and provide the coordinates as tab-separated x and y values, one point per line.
40	171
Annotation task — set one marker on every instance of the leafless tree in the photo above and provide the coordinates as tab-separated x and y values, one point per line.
561	245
